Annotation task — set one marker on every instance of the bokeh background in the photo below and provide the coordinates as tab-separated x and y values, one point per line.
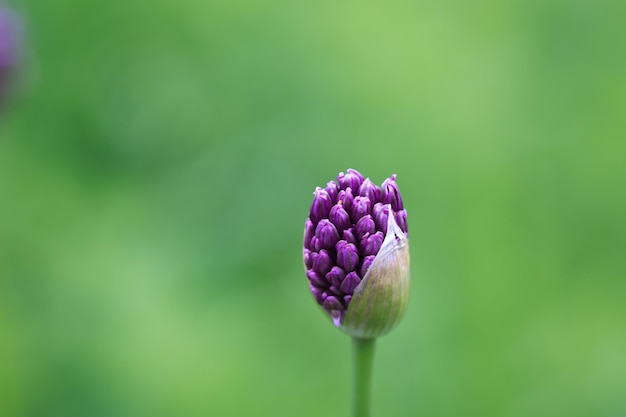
157	162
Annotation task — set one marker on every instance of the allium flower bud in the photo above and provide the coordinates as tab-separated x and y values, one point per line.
356	253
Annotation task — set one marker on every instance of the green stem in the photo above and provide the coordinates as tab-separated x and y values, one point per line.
362	361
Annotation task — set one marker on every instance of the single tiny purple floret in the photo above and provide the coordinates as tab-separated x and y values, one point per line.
344	232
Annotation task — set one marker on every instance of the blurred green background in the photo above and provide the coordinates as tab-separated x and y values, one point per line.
159	160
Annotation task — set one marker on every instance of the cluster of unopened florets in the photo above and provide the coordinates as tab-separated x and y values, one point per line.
8	46
345	230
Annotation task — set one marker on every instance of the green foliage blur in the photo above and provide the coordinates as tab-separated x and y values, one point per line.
157	162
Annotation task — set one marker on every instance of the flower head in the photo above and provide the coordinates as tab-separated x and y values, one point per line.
356	253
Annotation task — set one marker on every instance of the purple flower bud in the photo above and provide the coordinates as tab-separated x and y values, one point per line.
316	245
309	232
364	226
350	282
317	293
370	190
339	246
348	257
360	207
365	265
340	217
401	219
352	179
308	262
376	209
321	205
315	279
391	194
345	198
322	262
348	236
332	303
350	240
357	173
327	234
335	276
332	189
380	217
370	245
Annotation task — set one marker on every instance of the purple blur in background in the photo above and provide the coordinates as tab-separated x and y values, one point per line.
345	229
9	45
